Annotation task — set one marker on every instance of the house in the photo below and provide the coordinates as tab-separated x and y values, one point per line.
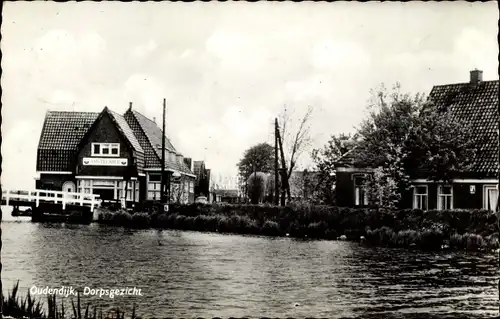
476	102
231	196
113	155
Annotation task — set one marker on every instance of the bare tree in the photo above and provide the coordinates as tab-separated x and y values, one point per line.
294	144
180	190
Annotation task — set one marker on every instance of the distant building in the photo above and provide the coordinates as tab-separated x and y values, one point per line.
476	102
231	196
113	155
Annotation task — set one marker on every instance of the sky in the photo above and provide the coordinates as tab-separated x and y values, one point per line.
227	69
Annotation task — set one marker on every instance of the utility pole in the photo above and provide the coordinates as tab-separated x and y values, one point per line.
498	199
162	195
276	164
284	179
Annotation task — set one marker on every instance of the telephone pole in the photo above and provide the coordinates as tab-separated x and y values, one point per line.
162	195
276	164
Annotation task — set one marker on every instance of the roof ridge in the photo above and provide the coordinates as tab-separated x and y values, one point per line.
465	83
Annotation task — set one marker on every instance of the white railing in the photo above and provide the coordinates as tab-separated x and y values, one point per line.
64	198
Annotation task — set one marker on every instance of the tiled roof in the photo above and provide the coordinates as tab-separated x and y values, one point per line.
197	165
476	104
150	138
64	130
126	131
61	133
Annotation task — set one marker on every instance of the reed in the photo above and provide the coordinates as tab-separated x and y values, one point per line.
429	230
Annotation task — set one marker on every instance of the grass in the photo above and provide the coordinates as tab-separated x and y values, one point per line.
32	307
429	230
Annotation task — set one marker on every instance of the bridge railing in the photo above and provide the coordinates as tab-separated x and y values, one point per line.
64	198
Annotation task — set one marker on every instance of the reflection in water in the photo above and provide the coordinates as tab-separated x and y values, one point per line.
203	274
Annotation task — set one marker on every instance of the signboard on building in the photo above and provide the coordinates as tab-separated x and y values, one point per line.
99	161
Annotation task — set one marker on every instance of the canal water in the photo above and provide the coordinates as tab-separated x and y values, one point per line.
205	274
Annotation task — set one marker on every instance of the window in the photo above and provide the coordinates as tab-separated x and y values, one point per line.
154	186
191	186
490	197
445	197
105	149
360	195
420	197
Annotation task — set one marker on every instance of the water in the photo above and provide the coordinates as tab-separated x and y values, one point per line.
205	274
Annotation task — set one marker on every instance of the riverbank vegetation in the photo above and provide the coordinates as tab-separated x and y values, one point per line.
14	306
473	230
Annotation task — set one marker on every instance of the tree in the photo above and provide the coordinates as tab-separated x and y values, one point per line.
406	137
258	158
326	159
257	187
179	189
294	144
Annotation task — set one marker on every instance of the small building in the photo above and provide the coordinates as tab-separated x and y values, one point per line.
113	155
231	196
476	102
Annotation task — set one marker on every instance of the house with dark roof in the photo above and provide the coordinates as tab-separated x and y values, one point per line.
113	155
476	102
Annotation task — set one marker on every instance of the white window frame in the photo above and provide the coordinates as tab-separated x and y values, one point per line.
358	201
415	196
486	189
440	196
109	146
153	189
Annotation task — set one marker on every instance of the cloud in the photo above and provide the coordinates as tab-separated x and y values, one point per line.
235	50
331	54
144	49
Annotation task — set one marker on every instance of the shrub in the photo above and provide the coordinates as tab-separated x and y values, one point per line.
141	220
270	228
431	238
406	238
475	242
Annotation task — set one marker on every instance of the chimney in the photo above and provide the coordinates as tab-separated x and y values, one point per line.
130	106
154	119
476	76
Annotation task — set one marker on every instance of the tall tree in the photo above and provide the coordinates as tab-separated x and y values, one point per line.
405	136
295	142
326	159
258	158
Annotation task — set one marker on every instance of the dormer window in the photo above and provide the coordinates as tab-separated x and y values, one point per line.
106	149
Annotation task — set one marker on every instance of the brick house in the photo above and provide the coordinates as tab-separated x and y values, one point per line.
113	155
475	102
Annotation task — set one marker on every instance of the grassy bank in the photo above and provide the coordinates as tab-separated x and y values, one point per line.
34	307
432	230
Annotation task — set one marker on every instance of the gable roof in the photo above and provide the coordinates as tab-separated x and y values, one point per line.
125	130
152	143
475	103
63	130
60	136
